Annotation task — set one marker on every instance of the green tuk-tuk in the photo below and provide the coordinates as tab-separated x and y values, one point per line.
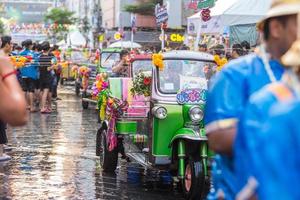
166	129
108	58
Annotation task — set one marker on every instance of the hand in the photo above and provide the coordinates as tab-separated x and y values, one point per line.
49	68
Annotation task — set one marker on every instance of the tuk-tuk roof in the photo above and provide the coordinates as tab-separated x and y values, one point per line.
185	54
112	50
141	57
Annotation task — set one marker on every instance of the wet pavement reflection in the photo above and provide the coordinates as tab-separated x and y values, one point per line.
53	157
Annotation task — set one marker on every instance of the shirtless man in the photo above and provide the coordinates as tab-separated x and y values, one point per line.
12	102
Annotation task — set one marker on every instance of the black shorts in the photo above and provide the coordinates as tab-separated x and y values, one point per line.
28	84
37	84
3	137
45	83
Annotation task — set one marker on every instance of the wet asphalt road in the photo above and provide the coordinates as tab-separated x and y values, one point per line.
53	157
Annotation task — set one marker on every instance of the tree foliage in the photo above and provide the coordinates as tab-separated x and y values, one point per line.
2	30
60	19
60	16
143	7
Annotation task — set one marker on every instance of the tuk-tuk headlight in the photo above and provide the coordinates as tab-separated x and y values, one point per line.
159	112
196	114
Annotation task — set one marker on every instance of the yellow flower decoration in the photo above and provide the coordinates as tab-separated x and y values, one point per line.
220	62
18	61
157	60
64	64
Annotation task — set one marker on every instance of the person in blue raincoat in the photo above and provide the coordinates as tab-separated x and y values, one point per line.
270	143
231	89
278	174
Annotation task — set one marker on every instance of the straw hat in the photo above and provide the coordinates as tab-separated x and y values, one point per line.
291	58
281	8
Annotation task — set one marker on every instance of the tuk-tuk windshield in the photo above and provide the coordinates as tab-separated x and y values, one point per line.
144	66
108	60
179	75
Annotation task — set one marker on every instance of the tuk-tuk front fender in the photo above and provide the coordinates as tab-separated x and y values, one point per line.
187	134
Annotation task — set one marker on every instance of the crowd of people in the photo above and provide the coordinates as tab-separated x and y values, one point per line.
251	114
38	79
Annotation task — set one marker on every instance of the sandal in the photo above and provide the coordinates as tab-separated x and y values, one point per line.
45	111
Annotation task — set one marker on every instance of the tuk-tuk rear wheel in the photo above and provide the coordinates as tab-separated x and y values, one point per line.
108	159
194	180
85	105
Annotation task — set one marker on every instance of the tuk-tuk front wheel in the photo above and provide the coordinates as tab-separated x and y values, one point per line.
108	159
194	180
85	105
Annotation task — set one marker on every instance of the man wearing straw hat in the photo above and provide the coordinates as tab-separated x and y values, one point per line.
268	136
233	86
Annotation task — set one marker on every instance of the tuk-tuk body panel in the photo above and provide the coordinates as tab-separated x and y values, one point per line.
126	127
115	85
164	129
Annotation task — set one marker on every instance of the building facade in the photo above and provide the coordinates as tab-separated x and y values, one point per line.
27	11
114	15
110	15
88	13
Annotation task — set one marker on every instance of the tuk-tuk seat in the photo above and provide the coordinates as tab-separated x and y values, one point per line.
139	106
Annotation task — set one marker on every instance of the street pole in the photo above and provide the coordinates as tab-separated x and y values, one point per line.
131	39
163	39
133	25
163	28
198	36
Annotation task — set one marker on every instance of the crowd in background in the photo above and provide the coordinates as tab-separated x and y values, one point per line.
38	78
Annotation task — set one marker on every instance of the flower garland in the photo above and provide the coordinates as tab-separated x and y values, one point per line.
115	109
84	73
100	84
220	62
102	102
141	85
74	71
157	60
101	92
110	109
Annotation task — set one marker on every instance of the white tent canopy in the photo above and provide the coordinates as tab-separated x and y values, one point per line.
228	13
74	38
125	44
